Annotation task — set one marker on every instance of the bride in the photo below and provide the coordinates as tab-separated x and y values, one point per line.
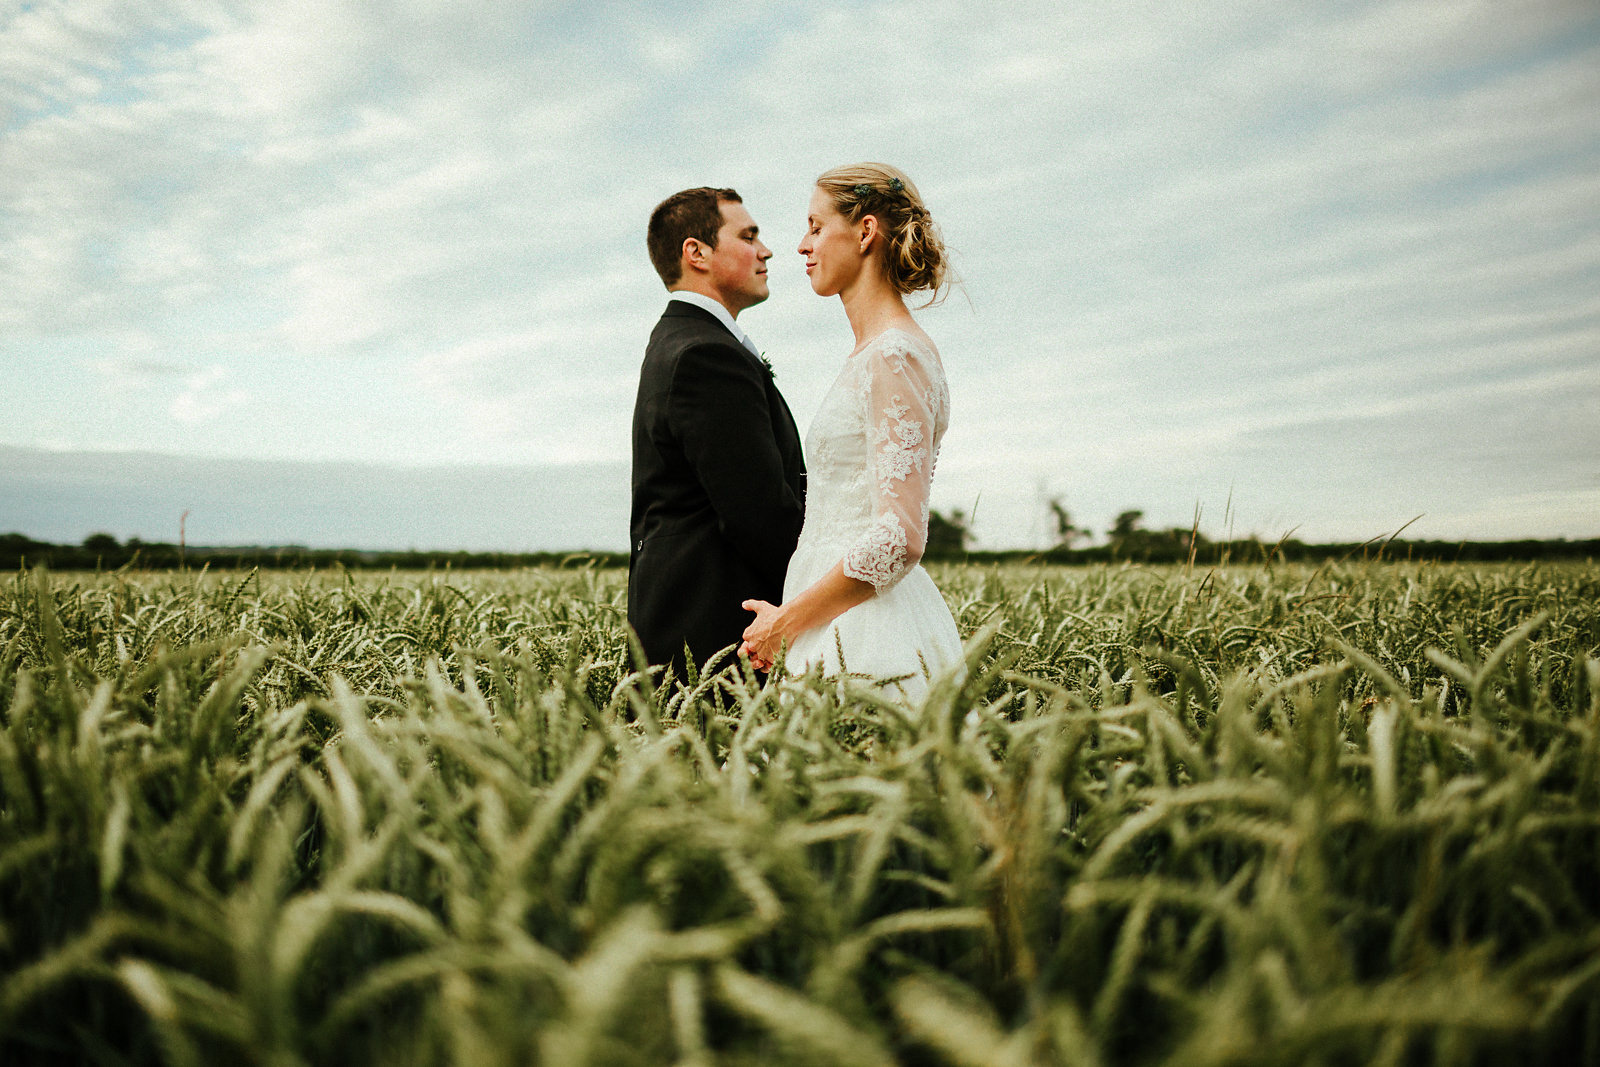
855	598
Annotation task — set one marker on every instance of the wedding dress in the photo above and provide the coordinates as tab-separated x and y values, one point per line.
870	455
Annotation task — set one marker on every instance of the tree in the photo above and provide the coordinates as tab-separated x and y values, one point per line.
1067	531
1126	525
101	544
947	536
1128	537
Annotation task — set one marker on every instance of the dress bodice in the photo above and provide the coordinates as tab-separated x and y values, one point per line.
871	452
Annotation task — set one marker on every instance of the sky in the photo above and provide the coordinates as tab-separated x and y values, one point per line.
344	273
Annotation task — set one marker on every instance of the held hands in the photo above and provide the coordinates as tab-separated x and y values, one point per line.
762	639
817	605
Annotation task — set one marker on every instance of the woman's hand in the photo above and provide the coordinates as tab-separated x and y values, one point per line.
764	636
819	604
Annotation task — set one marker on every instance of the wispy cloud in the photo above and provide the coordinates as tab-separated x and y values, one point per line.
206	396
136	370
1220	232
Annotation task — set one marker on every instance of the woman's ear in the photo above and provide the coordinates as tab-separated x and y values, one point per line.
868	227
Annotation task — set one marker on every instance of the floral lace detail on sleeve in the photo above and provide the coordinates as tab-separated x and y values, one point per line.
879	556
905	402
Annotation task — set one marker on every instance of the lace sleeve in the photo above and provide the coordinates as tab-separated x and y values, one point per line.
905	400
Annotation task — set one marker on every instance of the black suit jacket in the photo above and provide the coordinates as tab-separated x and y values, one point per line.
718	488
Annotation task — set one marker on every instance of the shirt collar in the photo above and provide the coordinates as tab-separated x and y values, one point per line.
706	303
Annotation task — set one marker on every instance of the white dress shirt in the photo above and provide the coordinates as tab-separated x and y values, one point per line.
715	307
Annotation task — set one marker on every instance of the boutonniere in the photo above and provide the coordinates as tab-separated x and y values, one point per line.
767	363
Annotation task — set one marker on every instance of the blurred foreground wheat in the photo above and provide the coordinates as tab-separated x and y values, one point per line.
1236	817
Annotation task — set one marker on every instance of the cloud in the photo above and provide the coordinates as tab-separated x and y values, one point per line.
136	371
414	232
206	396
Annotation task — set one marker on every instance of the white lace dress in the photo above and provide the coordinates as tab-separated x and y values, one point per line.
870	456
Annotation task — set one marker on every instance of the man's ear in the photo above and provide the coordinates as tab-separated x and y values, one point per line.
694	253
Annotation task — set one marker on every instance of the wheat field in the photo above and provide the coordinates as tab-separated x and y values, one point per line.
1244	815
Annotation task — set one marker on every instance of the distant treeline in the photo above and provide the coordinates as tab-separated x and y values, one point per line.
104	552
1129	540
1253	550
945	544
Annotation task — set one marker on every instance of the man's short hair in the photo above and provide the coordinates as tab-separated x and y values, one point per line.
693	213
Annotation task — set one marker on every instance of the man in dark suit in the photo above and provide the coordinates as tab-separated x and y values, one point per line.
718	472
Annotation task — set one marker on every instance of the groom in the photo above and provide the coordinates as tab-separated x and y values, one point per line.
718	473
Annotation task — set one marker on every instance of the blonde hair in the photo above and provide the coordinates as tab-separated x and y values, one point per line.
915	258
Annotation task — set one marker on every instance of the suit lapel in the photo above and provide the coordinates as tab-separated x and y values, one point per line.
678	309
683	309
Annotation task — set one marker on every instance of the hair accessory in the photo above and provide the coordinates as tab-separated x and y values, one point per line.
863	190
896	185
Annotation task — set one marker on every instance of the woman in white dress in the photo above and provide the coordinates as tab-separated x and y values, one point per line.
855	598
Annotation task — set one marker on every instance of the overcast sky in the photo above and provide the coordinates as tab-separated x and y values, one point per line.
1320	266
